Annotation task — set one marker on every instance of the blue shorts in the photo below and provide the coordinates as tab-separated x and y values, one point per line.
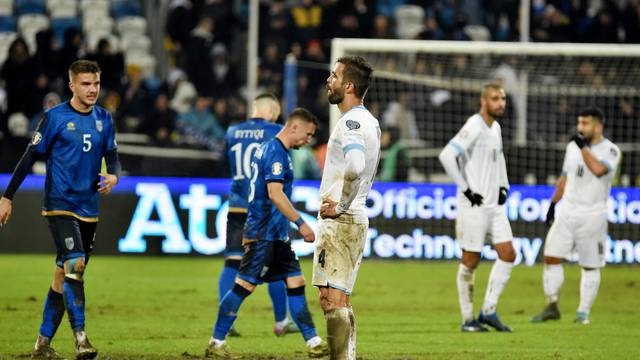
235	227
73	238
268	261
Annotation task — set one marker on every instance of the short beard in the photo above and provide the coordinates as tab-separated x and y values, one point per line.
495	115
335	98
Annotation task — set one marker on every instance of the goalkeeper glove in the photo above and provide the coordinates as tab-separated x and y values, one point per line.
580	140
551	214
476	199
502	195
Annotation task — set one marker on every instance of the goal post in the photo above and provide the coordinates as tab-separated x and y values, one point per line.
434	86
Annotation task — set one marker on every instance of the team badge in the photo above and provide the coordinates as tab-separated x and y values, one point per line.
276	169
99	125
464	134
69	243
71	126
37	137
353	125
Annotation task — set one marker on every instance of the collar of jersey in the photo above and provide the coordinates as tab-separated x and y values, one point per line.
281	143
353	108
78	111
257	119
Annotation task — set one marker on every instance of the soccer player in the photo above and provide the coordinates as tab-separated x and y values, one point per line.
352	160
481	176
268	255
590	163
242	141
72	138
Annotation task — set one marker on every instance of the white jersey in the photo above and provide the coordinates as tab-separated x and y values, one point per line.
482	160
584	192
357	130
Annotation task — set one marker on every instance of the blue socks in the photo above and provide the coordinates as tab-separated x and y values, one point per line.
300	312
278	293
228	311
52	314
227	277
73	294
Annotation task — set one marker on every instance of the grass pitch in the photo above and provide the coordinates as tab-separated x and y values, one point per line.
164	308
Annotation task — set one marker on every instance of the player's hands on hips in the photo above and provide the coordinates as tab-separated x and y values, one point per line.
307	233
476	199
107	183
579	139
502	195
328	209
5	210
551	214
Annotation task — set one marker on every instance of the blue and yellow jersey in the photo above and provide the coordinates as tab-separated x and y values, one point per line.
73	144
242	141
271	163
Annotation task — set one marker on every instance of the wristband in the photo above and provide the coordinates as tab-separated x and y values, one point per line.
299	222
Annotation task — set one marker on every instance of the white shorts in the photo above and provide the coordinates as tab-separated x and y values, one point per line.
475	223
584	234
338	253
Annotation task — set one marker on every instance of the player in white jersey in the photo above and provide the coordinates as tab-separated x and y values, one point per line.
481	176
590	164
350	167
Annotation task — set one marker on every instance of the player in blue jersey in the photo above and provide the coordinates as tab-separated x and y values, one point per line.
72	138
268	255
242	141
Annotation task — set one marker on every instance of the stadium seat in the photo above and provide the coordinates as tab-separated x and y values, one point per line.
6	7
122	8
135	43
30	7
94	4
7	24
94	13
60	26
409	20
132	25
93	37
477	32
32	23
62	8
96	23
144	60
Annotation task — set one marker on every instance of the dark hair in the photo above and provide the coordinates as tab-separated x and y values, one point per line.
595	113
303	114
269	96
357	71
83	67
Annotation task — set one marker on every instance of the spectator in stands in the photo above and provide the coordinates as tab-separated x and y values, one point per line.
307	20
50	100
396	162
272	69
180	21
198	56
18	75
431	30
221	112
135	102
46	59
276	29
200	124
551	24
111	64
400	116
71	51
604	28
160	122
224	77
381	28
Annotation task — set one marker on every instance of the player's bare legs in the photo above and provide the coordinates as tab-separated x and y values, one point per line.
341	323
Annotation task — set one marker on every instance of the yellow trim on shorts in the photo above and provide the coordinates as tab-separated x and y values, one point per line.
238	210
246	241
69	213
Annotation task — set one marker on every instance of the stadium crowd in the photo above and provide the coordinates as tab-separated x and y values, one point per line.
203	92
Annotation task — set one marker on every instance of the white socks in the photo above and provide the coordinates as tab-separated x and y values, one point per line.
465	282
215	342
589	284
500	274
314	341
552	279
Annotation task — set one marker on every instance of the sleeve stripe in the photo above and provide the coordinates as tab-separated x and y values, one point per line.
457	147
349	147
